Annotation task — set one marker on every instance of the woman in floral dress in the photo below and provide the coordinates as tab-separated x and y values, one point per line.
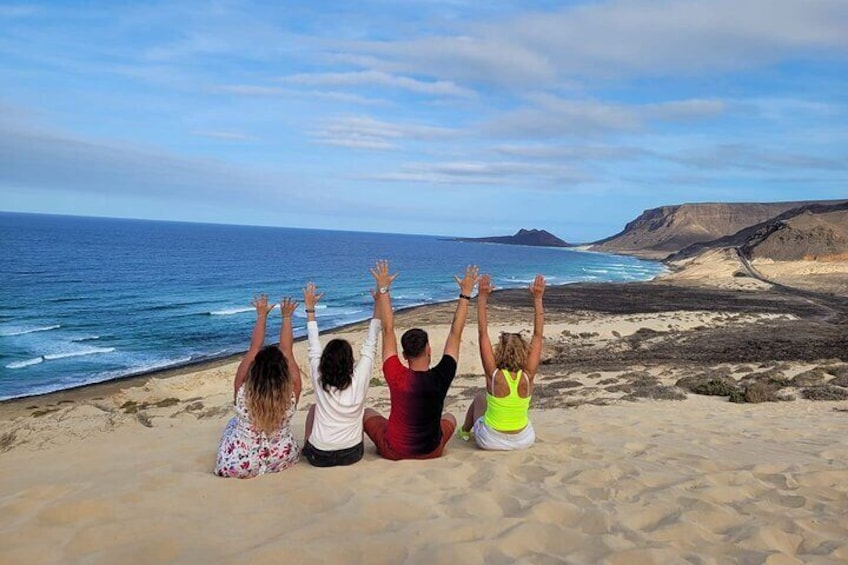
266	390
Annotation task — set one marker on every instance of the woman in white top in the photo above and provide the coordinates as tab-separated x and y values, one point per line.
334	423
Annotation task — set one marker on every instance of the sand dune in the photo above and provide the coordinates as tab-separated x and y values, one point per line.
125	476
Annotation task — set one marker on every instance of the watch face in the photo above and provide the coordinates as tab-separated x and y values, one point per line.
384	289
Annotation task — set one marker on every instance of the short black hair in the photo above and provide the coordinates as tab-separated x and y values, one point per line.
336	365
414	342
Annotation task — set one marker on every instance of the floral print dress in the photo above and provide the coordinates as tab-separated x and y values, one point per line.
245	452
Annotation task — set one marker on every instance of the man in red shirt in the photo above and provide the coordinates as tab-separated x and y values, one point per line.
416	427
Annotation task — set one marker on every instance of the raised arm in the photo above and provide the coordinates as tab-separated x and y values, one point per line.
310	300
466	287
487	355
537	289
383	305
287	308
368	351
257	340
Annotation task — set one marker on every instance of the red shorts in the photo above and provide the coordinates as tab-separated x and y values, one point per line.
376	427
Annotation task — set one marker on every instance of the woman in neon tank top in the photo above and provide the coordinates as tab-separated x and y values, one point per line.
498	417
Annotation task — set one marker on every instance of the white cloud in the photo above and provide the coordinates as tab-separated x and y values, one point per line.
551	116
753	158
575	152
379	79
481	173
260	90
361	132
619	39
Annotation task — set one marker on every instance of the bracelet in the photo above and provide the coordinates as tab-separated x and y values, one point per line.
465	296
310	310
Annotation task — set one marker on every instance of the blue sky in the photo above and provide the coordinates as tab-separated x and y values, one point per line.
443	117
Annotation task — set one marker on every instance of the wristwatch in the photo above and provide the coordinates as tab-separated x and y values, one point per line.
384	289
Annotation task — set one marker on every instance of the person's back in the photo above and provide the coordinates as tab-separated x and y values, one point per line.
266	388
334	423
417	401
499	417
507	405
416	427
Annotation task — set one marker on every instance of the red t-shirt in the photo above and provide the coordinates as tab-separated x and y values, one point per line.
418	398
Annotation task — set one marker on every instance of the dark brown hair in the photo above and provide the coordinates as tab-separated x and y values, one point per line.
336	365
414	342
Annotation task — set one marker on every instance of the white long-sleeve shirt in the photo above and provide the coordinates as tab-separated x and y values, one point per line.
338	413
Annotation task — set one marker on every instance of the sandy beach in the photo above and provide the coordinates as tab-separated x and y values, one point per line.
631	464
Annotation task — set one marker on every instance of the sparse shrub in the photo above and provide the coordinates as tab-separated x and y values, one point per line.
759	392
144	419
569	383
701	384
7	440
737	396
167	402
841	371
714	387
657	392
840	381
809	378
825	392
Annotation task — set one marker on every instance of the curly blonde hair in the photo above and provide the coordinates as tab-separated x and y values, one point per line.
269	389
511	352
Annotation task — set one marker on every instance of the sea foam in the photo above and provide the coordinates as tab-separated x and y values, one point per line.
24	331
79	353
25	363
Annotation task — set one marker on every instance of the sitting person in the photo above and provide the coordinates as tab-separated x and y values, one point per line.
266	390
498	417
416	427
334	423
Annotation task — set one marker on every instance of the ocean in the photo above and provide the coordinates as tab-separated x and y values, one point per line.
85	300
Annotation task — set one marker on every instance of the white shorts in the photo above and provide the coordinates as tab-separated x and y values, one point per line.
493	440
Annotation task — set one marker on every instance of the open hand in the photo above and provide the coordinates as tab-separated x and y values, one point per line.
381	275
484	285
310	297
537	287
287	307
261	304
466	284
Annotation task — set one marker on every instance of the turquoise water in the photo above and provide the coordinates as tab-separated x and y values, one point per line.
85	300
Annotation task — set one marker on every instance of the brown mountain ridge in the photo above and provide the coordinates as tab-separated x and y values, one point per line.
661	232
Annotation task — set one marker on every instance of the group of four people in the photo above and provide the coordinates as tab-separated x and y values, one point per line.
268	384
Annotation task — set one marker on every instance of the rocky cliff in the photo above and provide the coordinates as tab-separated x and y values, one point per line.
659	232
812	232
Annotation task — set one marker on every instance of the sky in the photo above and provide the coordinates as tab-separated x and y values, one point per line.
446	117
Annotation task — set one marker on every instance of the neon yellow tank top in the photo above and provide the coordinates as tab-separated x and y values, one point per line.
507	414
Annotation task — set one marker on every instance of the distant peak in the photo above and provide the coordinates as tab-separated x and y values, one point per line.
523	236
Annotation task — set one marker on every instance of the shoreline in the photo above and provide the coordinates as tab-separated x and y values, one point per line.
92	391
638	458
108	386
675	274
